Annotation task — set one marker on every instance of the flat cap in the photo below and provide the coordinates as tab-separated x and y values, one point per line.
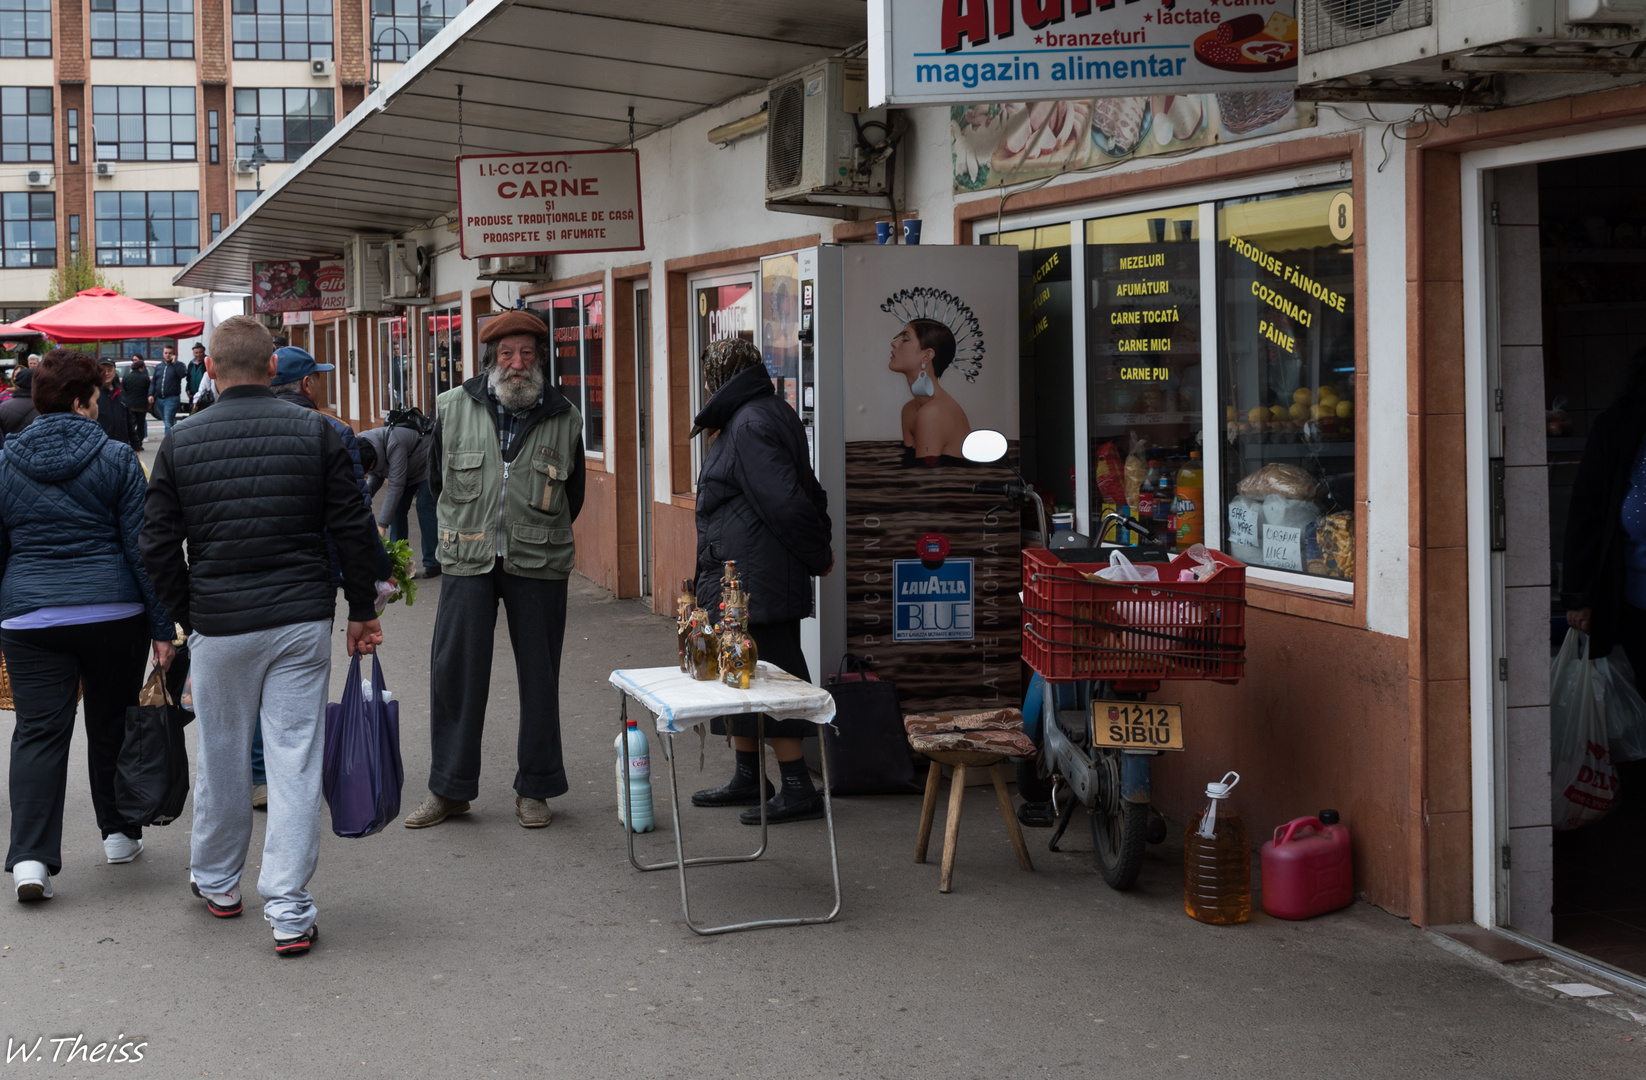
518	321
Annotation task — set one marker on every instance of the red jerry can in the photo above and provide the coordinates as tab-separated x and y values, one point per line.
1307	869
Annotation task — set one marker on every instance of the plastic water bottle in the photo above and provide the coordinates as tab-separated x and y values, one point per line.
1217	860
640	778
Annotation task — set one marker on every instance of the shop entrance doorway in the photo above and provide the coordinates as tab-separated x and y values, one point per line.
1565	291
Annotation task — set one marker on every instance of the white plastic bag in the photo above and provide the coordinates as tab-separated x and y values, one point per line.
1121	568
1584	787
1625	710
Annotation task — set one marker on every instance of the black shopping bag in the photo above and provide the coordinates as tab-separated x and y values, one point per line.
868	751
151	778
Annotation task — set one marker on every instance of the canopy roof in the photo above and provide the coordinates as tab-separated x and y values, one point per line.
537	75
104	315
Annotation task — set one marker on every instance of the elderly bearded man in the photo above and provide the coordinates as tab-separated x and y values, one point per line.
506	468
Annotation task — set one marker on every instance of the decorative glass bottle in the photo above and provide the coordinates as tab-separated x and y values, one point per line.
683	623
738	653
702	647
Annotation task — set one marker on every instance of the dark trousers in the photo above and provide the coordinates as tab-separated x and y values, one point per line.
427	530
46	666
778	644
460	672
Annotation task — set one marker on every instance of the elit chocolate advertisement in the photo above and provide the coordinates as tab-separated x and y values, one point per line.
930	353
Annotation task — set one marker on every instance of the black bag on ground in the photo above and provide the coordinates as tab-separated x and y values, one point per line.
151	778
868	751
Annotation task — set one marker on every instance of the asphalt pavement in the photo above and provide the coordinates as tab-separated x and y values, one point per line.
478	948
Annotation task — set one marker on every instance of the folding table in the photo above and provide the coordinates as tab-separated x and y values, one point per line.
680	703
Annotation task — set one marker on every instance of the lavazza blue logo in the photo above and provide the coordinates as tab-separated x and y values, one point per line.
933	605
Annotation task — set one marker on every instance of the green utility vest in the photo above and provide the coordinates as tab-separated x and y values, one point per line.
523	502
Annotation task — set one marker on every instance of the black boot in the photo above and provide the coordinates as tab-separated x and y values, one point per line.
742	789
797	801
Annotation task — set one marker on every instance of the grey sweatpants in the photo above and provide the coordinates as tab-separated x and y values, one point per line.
278	676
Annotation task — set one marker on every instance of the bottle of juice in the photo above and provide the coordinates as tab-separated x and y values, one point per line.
1189	505
1217	860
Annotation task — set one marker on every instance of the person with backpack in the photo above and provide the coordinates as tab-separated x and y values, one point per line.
396	459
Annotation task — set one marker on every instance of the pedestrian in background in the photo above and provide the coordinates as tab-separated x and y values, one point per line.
136	384
758	502
76	610
248	490
18	412
166	388
505	534
195	373
34	360
397	462
112	415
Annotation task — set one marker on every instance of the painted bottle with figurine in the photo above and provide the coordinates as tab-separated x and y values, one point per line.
684	606
738	652
702	647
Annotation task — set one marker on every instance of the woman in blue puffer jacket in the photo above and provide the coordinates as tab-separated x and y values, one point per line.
76	609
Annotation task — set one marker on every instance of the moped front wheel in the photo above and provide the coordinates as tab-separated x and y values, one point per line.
1119	831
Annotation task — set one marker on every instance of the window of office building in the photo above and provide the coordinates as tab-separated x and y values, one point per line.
25	123
144	123
142	29
282	29
147	228
401	27
216	226
73	119
578	328
25	28
243	199
285	123
213	136
28	229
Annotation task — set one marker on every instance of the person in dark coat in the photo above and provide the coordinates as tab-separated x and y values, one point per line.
17	412
136	384
77	609
112	415
758	502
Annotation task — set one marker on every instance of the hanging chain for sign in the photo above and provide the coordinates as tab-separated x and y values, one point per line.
459	119
631	127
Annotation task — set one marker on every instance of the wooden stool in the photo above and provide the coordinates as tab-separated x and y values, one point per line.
961	760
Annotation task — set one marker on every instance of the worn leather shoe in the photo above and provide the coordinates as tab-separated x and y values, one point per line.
533	813
732	793
784	807
435	809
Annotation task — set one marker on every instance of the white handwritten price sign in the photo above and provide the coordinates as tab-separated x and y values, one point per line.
1242	525
1283	547
545	204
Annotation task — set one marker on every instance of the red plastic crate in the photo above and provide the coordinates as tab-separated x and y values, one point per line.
1080	629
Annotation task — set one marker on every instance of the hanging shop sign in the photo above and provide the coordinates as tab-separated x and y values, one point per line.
947	52
548	204
297	285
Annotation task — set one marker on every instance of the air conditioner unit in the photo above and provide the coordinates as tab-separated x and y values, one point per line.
363	275
824	152
404	272
245	166
1445	40
320	69
37	177
103	169
514	268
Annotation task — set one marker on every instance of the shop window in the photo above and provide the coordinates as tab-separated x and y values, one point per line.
445	351
25	28
25	123
147	228
1285	324
1143	371
143	29
724	307
392	363
400	27
282	29
28	229
144	123
284	123
577	325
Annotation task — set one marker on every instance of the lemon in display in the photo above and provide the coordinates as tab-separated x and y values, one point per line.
1257	415
1300	412
1229	413
1277	412
1328	397
1302	396
1345	409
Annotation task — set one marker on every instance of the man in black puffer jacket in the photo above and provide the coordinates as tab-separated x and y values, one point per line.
252	486
759	503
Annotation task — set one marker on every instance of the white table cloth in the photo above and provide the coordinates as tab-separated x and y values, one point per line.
680	702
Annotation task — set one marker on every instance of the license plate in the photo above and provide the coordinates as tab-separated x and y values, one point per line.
1137	725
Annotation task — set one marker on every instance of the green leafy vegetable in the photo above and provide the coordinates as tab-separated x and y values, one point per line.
400	553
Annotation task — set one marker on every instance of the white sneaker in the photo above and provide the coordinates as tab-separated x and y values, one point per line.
121	848
32	880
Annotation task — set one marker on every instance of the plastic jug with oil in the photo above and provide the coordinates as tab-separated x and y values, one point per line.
1217	860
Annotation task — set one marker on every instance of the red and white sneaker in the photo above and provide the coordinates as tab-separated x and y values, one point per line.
298	945
221	905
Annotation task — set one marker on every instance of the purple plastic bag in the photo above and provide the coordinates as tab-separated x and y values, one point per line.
361	773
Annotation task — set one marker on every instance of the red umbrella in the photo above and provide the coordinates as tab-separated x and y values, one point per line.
104	315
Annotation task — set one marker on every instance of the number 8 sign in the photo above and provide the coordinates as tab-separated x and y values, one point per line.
1340	216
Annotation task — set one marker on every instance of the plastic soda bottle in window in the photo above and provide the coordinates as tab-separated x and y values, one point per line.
1189	504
